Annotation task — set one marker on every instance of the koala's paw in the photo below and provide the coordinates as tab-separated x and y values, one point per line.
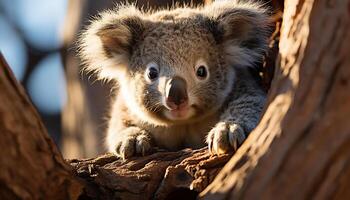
134	141
225	137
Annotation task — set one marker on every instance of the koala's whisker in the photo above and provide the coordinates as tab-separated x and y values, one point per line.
196	93
156	107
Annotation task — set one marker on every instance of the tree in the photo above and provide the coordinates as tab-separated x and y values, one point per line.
300	149
31	167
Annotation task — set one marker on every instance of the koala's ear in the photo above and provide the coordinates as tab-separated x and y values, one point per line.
106	45
242	28
120	36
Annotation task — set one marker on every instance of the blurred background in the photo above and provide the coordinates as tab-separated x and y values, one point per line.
37	38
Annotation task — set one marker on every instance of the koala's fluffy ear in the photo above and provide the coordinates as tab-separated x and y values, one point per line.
242	28
106	45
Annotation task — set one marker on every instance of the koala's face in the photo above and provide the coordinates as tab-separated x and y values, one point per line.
175	66
177	73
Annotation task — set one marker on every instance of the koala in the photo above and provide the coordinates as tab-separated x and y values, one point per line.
185	76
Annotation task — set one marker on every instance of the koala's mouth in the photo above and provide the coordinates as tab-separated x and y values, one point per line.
179	114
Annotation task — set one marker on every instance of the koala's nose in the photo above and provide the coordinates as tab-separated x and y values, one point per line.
176	93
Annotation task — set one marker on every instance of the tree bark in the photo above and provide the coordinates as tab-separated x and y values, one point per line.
30	165
301	148
161	175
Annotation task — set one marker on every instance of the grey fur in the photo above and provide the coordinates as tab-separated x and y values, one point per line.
227	37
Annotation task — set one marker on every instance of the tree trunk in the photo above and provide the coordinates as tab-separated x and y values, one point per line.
301	148
30	165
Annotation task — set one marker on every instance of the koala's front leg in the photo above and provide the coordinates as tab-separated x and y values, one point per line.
238	120
129	142
224	137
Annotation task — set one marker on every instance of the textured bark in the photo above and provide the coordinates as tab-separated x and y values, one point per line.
301	148
161	175
30	165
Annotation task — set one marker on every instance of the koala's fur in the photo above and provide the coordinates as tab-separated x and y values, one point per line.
229	37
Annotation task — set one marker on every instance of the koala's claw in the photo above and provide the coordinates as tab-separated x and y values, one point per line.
225	137
135	141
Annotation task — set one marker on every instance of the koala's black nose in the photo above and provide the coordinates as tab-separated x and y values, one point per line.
176	93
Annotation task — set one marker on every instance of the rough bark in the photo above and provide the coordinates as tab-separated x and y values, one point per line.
30	165
161	175
301	148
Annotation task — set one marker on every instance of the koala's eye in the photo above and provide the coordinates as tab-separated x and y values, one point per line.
201	72
152	72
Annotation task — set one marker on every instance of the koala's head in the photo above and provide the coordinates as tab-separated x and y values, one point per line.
175	66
